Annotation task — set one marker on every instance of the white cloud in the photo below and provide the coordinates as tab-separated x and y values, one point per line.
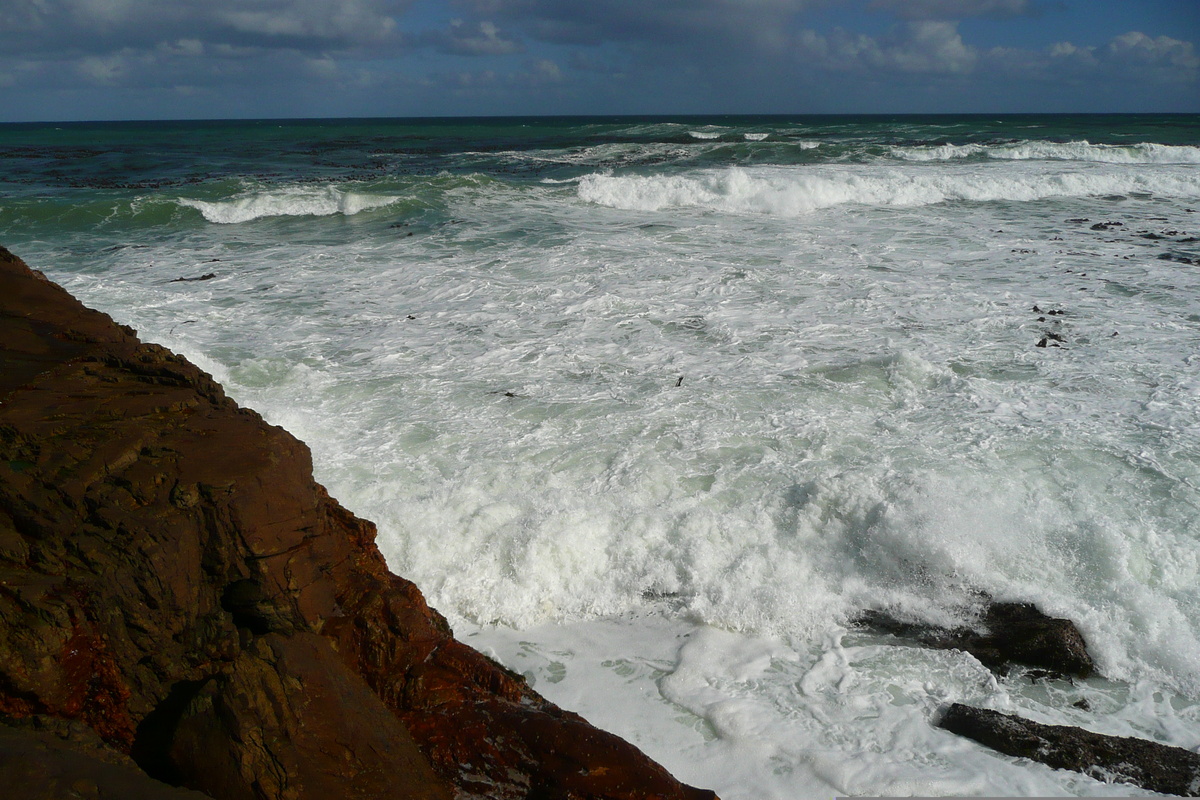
472	39
103	69
323	67
546	70
181	47
1138	48
933	47
1065	53
926	47
1129	58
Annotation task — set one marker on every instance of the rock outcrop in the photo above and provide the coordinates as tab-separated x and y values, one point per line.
1151	765
175	584
1006	634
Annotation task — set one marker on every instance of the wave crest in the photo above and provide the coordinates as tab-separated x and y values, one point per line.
781	191
1142	153
288	202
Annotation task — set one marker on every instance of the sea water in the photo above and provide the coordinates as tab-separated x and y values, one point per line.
651	409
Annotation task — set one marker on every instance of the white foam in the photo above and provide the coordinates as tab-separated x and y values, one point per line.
1143	153
705	135
784	191
863	419
756	137
288	202
756	717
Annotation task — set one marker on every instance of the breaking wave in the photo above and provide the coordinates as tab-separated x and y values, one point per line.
288	202
782	191
1143	153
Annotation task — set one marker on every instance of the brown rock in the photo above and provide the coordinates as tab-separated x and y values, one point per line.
172	577
286	720
41	765
1151	765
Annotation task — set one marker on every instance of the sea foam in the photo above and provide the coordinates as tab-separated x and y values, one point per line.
785	191
1142	153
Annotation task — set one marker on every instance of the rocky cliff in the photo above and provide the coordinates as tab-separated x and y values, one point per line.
181	605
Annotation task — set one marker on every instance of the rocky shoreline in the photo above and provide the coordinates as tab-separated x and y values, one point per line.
184	610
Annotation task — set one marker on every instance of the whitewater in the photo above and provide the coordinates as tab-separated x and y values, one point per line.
652	409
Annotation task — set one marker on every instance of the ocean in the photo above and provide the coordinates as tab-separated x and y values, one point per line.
651	409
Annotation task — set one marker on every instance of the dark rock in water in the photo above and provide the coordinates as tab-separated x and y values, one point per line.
1007	634
206	277
1178	258
1042	342
1079	219
1151	765
1103	226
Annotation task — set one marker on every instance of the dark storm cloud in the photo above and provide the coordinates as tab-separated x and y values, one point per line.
95	25
954	9
663	22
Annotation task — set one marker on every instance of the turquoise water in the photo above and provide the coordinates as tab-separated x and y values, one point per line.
650	408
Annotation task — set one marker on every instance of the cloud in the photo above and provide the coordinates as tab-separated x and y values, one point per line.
954	9
22	15
659	21
181	47
926	47
104	70
546	71
99	25
1129	59
1136	48
472	39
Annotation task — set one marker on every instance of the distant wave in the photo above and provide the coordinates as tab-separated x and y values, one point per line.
1143	153
288	202
783	191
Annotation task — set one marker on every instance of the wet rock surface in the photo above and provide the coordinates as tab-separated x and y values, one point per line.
1006	634
1151	765
174	581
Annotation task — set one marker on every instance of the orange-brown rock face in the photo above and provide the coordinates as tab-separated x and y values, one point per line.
172	577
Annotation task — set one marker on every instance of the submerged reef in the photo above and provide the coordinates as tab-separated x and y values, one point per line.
185	612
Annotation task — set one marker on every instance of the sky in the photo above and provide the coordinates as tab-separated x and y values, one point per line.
221	59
